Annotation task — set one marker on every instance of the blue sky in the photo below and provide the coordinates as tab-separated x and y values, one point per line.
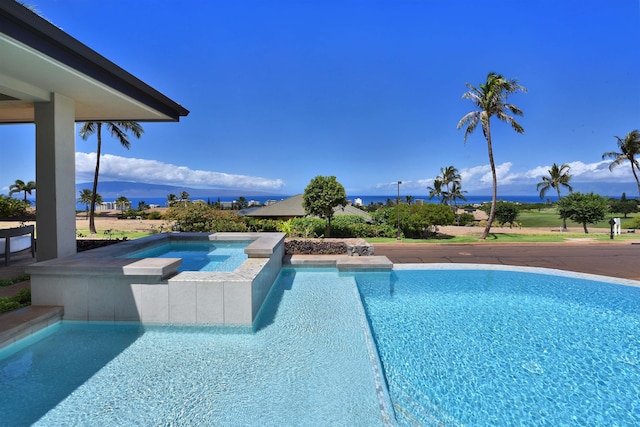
368	91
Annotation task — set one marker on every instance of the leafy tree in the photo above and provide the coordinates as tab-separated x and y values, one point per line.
322	195
506	212
118	130
623	205
143	206
19	186
629	150
491	100
408	199
123	203
583	208
86	198
558	177
419	221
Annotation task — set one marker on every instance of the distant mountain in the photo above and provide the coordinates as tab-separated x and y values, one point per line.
114	189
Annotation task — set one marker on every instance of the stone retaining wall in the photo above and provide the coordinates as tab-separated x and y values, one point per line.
351	247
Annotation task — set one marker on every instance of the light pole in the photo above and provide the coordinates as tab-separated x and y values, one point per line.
398	207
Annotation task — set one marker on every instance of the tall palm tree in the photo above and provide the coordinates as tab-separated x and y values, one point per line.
19	186
558	177
436	190
629	150
491	100
118	130
172	199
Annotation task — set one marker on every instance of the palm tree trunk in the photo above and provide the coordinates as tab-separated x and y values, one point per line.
564	220
635	176
494	197
94	194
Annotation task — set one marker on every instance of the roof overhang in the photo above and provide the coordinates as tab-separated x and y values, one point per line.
38	59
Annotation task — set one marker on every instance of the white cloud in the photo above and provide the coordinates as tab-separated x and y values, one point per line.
116	168
477	179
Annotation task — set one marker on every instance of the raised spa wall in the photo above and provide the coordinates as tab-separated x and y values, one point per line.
100	285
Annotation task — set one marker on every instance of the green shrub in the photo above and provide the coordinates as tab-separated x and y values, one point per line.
308	227
200	217
13	208
154	215
21	299
465	219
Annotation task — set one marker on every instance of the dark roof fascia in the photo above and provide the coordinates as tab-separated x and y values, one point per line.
32	30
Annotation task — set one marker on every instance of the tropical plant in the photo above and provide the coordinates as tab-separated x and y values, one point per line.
123	203
172	199
583	208
118	130
491	100
629	150
86	198
436	190
20	186
321	196
558	177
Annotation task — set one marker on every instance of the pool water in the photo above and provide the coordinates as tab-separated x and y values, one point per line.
198	256
308	362
503	348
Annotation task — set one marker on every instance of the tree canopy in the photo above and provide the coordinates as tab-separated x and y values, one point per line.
583	208
321	196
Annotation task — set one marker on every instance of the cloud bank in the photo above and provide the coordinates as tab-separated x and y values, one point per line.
116	168
477	179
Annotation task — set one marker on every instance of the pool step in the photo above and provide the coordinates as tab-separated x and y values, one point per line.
18	324
341	262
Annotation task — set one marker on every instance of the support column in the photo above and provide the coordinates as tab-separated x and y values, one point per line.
55	178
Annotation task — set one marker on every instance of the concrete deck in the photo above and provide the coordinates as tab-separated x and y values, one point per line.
605	259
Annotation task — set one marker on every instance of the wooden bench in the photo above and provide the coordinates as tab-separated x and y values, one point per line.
18	239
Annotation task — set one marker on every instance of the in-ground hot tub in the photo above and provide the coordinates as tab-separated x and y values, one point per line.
105	284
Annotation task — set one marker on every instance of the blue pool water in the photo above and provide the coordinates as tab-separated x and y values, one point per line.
458	347
503	348
307	363
198	256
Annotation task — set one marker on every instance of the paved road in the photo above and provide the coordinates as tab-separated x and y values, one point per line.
607	259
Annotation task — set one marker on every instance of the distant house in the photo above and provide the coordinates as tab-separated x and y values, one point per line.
292	208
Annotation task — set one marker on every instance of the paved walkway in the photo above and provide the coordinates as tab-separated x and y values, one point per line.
607	259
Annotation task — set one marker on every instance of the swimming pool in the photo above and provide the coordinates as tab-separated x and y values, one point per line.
309	362
489	347
204	255
458	347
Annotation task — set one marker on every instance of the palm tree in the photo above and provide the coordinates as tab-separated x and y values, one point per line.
19	186
558	177
123	203
491	100
436	190
629	150
86	198
456	193
408	199
172	199
450	177
118	130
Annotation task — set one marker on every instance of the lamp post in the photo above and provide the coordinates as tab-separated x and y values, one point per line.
398	207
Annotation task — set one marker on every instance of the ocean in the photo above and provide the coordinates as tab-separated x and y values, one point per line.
366	200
